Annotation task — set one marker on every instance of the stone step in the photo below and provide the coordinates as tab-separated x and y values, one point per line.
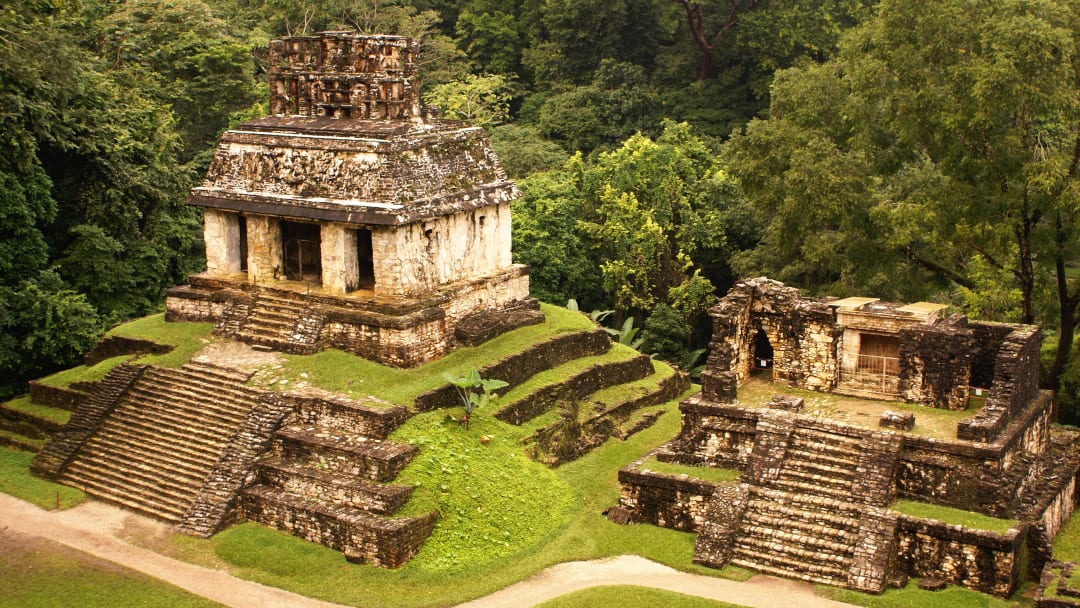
122	452
827	438
813	489
370	496
164	489
788	571
835	460
195	397
373	459
135	427
807	503
821	468
805	546
199	396
279	311
788	473
211	372
778	554
842	452
177	430
263	322
145	505
362	536
268	300
826	526
191	413
209	391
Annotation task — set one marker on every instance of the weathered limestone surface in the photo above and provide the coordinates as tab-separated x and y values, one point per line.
720	525
935	363
340	267
425	255
264	249
669	501
221	233
976	559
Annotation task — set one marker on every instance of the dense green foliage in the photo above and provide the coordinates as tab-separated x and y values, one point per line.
664	147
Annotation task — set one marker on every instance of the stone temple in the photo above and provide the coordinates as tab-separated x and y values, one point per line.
349	218
862	414
352	217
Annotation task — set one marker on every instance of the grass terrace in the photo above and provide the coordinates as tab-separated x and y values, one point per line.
929	422
714	474
185	338
345	373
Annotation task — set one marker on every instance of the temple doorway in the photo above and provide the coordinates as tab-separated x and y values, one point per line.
365	259
242	221
303	258
763	353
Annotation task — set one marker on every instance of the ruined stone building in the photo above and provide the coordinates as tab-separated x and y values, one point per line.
351	217
817	489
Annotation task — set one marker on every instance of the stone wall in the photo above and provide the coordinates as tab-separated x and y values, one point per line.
801	332
221	233
340	260
401	333
935	363
114	346
577	387
976	559
988	339
381	541
714	434
183	304
421	257
369	417
55	396
264	249
668	501
1015	385
426	166
519	367
344	75
974	476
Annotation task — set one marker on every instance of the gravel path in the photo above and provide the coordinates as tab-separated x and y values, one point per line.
97	529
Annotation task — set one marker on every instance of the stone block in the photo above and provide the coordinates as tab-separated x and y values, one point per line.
904	421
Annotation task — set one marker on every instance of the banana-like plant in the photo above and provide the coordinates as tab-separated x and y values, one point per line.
475	392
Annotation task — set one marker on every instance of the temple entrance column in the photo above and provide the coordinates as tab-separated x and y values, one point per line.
264	249
221	231
340	272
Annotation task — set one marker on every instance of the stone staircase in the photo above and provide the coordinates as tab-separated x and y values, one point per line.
165	433
279	322
820	463
814	508
330	484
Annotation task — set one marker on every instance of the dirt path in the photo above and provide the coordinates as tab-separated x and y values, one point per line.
97	529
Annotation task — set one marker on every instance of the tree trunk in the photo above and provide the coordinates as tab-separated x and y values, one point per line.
696	22
1068	304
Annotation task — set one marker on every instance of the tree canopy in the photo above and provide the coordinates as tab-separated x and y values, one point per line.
664	148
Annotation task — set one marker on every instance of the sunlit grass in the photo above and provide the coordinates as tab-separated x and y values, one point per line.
955	517
16	480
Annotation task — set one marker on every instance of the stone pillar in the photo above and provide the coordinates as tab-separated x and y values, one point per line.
221	231
264	249
340	267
